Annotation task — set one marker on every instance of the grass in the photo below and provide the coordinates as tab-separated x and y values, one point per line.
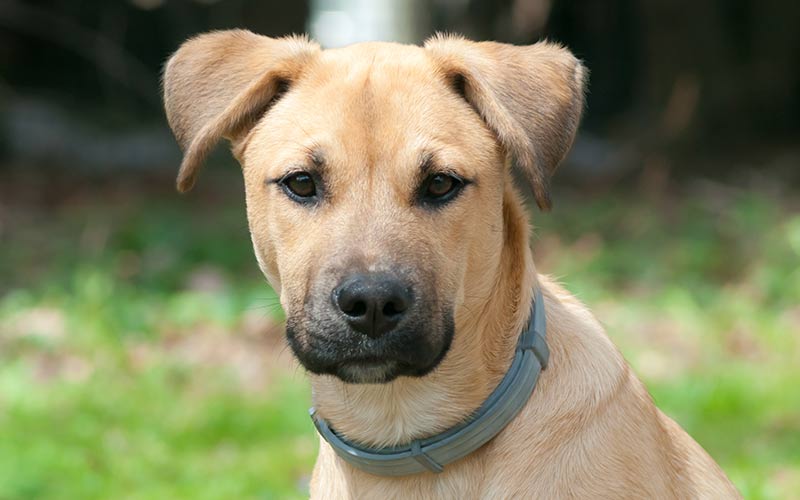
141	353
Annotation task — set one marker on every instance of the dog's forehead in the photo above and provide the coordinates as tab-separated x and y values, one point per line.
381	61
376	100
376	75
373	107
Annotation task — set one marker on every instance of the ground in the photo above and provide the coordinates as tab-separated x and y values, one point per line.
141	352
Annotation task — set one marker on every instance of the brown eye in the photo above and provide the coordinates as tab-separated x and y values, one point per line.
300	187
441	188
440	185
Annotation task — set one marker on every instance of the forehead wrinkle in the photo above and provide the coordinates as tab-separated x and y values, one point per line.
377	123
367	111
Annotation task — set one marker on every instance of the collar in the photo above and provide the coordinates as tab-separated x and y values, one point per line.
433	453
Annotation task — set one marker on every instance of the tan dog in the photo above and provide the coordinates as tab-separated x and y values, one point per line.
382	210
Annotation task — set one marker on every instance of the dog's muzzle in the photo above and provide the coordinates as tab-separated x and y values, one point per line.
371	328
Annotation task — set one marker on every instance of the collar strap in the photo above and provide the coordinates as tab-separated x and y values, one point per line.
433	453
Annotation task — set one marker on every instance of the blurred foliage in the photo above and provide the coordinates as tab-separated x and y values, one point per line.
141	352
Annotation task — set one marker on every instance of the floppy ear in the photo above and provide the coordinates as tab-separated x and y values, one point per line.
219	84
530	96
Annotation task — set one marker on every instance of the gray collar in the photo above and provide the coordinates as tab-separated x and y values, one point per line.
433	453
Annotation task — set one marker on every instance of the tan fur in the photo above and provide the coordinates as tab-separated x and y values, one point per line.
590	429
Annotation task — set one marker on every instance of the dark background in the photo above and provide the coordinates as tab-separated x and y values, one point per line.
693	88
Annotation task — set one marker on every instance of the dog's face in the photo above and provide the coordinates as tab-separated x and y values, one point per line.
375	177
364	199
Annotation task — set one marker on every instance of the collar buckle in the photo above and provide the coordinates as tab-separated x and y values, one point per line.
418	454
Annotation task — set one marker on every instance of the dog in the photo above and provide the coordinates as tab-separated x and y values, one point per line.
383	210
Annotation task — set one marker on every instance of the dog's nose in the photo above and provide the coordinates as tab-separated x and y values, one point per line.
373	304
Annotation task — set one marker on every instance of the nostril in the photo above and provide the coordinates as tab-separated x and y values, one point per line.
350	302
393	309
359	308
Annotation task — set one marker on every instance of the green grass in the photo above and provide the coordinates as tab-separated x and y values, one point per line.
141	353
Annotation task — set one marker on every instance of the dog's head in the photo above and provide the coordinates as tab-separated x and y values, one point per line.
375	176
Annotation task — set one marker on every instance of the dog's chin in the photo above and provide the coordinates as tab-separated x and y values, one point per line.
368	372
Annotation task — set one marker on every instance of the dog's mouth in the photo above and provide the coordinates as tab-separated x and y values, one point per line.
357	360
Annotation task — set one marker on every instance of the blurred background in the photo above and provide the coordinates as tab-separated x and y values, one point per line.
142	353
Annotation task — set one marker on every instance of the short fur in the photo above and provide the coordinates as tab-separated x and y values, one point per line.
368	113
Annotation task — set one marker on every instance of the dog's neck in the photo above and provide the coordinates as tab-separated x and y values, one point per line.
492	312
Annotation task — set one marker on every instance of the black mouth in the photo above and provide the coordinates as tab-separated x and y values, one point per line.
369	370
356	361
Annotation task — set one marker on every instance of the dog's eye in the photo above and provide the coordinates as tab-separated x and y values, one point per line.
441	188
299	186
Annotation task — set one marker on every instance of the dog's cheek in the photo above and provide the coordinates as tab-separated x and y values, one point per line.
261	232
478	246
268	266
445	335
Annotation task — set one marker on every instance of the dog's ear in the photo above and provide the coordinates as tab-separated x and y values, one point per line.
219	84
531	97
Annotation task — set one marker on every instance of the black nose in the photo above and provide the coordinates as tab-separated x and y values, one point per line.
373	304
